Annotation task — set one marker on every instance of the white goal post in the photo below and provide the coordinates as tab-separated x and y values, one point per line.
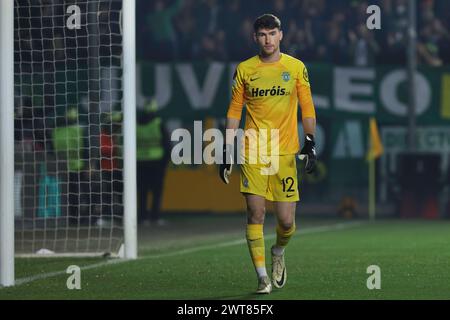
69	88
6	143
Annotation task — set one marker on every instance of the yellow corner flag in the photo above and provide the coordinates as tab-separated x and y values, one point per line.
375	151
375	146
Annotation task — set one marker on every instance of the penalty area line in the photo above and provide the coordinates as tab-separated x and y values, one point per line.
311	230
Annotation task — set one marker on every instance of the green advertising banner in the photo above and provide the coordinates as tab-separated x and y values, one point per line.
345	98
196	90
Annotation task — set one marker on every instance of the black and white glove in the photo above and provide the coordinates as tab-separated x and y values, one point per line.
308	153
226	166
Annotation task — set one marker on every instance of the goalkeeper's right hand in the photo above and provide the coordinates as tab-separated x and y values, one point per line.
226	166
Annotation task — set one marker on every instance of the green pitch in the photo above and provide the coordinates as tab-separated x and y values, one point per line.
325	260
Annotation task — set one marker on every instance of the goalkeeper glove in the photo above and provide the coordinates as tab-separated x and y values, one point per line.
308	152
227	163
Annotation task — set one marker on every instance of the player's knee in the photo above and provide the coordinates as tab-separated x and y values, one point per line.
256	215
286	225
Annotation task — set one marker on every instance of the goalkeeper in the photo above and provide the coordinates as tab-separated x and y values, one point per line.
270	84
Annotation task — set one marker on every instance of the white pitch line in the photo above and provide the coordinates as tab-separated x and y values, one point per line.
338	226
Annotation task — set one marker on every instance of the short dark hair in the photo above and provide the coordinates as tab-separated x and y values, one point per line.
267	21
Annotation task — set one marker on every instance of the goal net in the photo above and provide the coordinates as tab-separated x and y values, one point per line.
68	92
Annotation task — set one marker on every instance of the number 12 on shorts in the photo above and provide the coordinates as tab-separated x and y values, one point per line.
288	183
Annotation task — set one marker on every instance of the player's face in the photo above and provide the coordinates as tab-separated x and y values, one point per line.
268	40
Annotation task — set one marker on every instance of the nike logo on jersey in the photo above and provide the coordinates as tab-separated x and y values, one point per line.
289	195
253	79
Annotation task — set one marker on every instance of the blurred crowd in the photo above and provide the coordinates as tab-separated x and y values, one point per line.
314	30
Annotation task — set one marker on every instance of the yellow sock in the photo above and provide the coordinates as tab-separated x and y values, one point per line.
283	236
255	241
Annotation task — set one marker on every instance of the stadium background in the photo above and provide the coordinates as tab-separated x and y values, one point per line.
187	52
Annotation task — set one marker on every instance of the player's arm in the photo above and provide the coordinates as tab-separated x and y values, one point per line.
308	152
233	119
232	126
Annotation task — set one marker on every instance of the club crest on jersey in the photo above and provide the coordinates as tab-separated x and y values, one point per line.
286	76
305	75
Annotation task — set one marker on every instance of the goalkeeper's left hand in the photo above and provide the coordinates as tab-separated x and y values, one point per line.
308	152
226	166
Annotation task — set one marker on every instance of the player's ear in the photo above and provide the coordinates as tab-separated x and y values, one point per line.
254	37
281	35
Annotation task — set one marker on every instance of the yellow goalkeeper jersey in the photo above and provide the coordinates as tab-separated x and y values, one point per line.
271	93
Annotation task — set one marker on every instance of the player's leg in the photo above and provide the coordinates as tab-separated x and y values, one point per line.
157	188
285	213
117	196
284	193
256	208
106	193
74	198
253	185
142	184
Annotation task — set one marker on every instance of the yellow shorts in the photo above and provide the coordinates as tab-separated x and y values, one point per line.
274	178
